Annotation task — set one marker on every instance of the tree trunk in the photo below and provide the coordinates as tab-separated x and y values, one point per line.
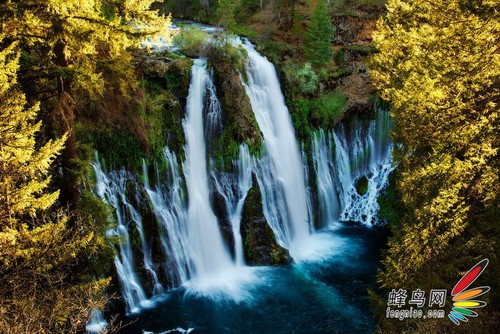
287	21
66	113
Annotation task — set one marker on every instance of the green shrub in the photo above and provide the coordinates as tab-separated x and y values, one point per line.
191	40
308	79
301	80
363	49
327	109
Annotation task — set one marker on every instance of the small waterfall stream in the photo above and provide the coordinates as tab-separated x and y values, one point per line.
169	207
112	189
352	165
234	194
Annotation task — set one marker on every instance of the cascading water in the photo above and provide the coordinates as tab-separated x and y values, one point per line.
273	201
112	189
96	324
213	117
210	255
352	165
169	207
188	248
268	105
234	194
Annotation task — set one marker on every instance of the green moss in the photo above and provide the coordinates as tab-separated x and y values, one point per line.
363	49
391	209
343	72
98	217
238	121
118	148
362	185
327	110
300	112
260	246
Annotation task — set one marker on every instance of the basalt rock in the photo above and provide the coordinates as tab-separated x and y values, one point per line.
259	242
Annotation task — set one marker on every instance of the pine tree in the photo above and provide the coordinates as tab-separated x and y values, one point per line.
317	45
37	248
69	46
439	67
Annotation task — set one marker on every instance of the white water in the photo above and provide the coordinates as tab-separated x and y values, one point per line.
234	194
213	114
342	158
96	323
210	255
112	189
169	207
286	175
194	252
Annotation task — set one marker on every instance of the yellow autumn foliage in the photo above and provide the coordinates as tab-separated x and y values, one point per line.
38	247
439	66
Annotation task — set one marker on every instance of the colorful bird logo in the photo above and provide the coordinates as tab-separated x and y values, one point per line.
463	302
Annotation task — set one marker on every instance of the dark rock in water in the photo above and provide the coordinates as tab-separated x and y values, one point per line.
362	185
115	307
220	211
259	242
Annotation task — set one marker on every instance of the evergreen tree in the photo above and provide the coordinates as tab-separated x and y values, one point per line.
317	44
439	67
69	46
225	14
37	248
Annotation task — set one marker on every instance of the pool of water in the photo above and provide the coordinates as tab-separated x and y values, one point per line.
324	292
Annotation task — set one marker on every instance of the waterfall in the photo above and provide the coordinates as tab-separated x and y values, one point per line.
291	223
213	117
170	209
188	230
350	158
112	189
96	324
273	201
234	194
322	153
210	255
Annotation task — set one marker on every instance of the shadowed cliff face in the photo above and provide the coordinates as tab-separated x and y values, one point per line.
259	242
353	40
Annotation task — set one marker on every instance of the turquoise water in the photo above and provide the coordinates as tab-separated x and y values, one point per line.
325	294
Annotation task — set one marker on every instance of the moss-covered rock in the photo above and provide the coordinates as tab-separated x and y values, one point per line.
143	122
259	242
362	185
239	123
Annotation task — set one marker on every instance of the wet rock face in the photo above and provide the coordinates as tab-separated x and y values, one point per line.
237	116
259	242
220	211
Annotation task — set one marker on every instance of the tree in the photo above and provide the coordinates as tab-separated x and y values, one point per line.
225	14
439	67
38	250
69	46
317	44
